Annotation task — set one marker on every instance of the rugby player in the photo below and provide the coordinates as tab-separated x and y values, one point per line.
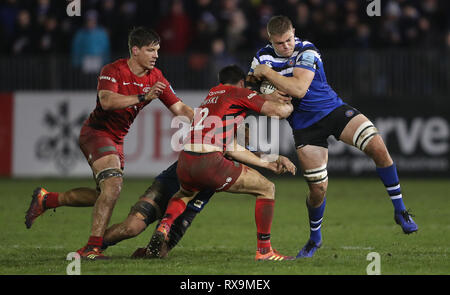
204	162
124	88
295	67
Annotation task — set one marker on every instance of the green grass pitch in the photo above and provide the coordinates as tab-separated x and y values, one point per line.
222	240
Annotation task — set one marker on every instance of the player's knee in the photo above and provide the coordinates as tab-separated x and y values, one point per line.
318	191
268	190
317	177
110	181
317	180
112	187
131	230
377	150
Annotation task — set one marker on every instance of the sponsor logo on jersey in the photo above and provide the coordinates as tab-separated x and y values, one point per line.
251	95
108	78
212	93
227	181
349	113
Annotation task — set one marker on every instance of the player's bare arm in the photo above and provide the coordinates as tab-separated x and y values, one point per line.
110	100
277	108
295	86
278	96
278	164
183	110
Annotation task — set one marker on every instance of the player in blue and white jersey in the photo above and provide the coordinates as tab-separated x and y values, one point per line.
295	66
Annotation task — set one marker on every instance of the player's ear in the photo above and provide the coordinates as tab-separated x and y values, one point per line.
241	83
134	50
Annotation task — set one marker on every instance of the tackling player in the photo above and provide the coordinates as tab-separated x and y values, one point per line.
124	88
295	66
204	163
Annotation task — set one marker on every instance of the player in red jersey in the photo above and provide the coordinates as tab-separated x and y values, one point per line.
124	88
204	163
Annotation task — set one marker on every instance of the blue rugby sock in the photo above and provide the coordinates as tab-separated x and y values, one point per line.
315	221
390	180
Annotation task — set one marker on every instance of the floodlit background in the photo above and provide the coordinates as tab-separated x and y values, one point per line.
395	68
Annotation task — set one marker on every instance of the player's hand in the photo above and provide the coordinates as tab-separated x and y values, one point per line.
278	96
155	91
285	165
282	165
260	71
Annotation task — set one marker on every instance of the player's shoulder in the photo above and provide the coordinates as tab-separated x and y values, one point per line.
266	50
115	65
303	45
234	92
220	89
155	72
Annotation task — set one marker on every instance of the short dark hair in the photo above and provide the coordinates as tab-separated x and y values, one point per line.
231	74
278	25
142	36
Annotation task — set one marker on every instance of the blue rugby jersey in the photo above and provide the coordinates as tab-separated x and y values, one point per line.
320	99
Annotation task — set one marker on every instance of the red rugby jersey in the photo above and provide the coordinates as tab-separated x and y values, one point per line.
117	77
216	120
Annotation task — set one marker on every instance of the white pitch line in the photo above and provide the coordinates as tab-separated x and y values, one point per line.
357	248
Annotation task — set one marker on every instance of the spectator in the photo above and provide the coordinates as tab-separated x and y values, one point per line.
220	57
90	46
175	29
329	23
302	21
49	37
235	33
8	15
43	8
22	43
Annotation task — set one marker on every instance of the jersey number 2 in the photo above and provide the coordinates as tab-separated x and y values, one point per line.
199	125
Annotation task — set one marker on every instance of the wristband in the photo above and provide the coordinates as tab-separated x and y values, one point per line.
141	97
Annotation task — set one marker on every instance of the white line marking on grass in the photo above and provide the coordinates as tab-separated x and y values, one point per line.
357	248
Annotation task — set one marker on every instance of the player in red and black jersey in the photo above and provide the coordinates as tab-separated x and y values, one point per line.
124	88
203	164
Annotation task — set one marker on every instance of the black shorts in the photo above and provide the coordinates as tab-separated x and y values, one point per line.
332	124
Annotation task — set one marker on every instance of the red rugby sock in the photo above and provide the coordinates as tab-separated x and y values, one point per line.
174	209
263	218
51	200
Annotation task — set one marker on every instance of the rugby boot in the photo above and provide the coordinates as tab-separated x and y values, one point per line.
404	219
309	249
272	255
37	206
91	253
139	253
158	245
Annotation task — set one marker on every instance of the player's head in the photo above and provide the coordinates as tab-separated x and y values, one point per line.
233	75
281	35
143	44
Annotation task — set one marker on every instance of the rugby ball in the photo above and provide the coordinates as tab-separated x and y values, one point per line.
266	87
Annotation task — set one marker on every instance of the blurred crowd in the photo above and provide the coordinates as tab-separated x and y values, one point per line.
216	27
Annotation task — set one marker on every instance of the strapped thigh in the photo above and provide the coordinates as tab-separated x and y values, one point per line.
365	132
147	209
